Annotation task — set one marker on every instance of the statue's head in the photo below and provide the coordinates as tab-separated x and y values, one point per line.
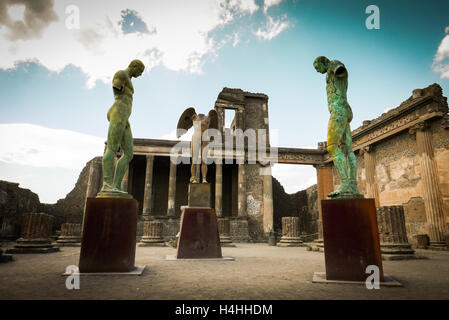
136	68
321	64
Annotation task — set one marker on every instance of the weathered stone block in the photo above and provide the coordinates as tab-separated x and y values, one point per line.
224	230
422	241
36	234
393	235
199	195
290	232
70	234
152	234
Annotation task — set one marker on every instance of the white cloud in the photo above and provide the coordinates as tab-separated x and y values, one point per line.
270	3
272	29
441	59
294	177
37	146
100	47
172	135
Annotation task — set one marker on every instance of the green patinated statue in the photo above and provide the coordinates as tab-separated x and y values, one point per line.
339	139
119	132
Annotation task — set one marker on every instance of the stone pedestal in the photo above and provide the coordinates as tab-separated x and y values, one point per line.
109	235
290	232
392	233
351	239
224	230
422	241
36	234
70	235
5	257
198	237
199	195
152	234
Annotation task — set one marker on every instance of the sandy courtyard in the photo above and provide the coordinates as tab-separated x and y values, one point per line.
258	272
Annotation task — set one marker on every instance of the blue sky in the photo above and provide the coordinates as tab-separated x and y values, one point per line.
59	78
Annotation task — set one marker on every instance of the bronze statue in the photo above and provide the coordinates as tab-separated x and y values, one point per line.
201	123
339	139
119	132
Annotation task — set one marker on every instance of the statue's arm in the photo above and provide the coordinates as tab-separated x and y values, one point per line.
118	82
338	68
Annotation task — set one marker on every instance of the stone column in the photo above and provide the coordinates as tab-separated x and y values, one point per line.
70	235
224	230
241	191
94	182
372	190
393	234
35	235
147	201
267	200
290	232
171	190
433	200
325	185
218	189
152	234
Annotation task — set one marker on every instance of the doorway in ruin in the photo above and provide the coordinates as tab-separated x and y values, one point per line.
295	195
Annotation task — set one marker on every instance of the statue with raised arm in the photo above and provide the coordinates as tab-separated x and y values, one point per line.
339	139
200	123
119	132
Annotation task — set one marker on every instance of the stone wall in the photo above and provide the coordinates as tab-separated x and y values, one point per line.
302	204
14	202
71	208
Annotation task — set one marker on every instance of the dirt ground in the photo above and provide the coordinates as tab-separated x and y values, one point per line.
258	272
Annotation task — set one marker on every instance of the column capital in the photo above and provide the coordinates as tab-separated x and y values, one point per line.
366	149
420	126
445	122
323	165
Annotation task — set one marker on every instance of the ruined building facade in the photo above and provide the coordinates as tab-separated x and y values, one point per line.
403	159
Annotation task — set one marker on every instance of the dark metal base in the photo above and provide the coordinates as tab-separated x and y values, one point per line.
109	235
199	236
351	238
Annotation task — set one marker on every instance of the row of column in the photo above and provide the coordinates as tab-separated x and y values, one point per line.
433	200
171	209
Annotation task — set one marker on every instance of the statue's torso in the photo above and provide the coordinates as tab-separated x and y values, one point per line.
124	98
336	88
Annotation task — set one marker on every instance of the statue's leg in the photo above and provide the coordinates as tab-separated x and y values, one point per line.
352	161
196	160
204	172
193	173
114	136
203	165
335	135
125	159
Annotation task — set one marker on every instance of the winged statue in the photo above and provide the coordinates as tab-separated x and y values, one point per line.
201	123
